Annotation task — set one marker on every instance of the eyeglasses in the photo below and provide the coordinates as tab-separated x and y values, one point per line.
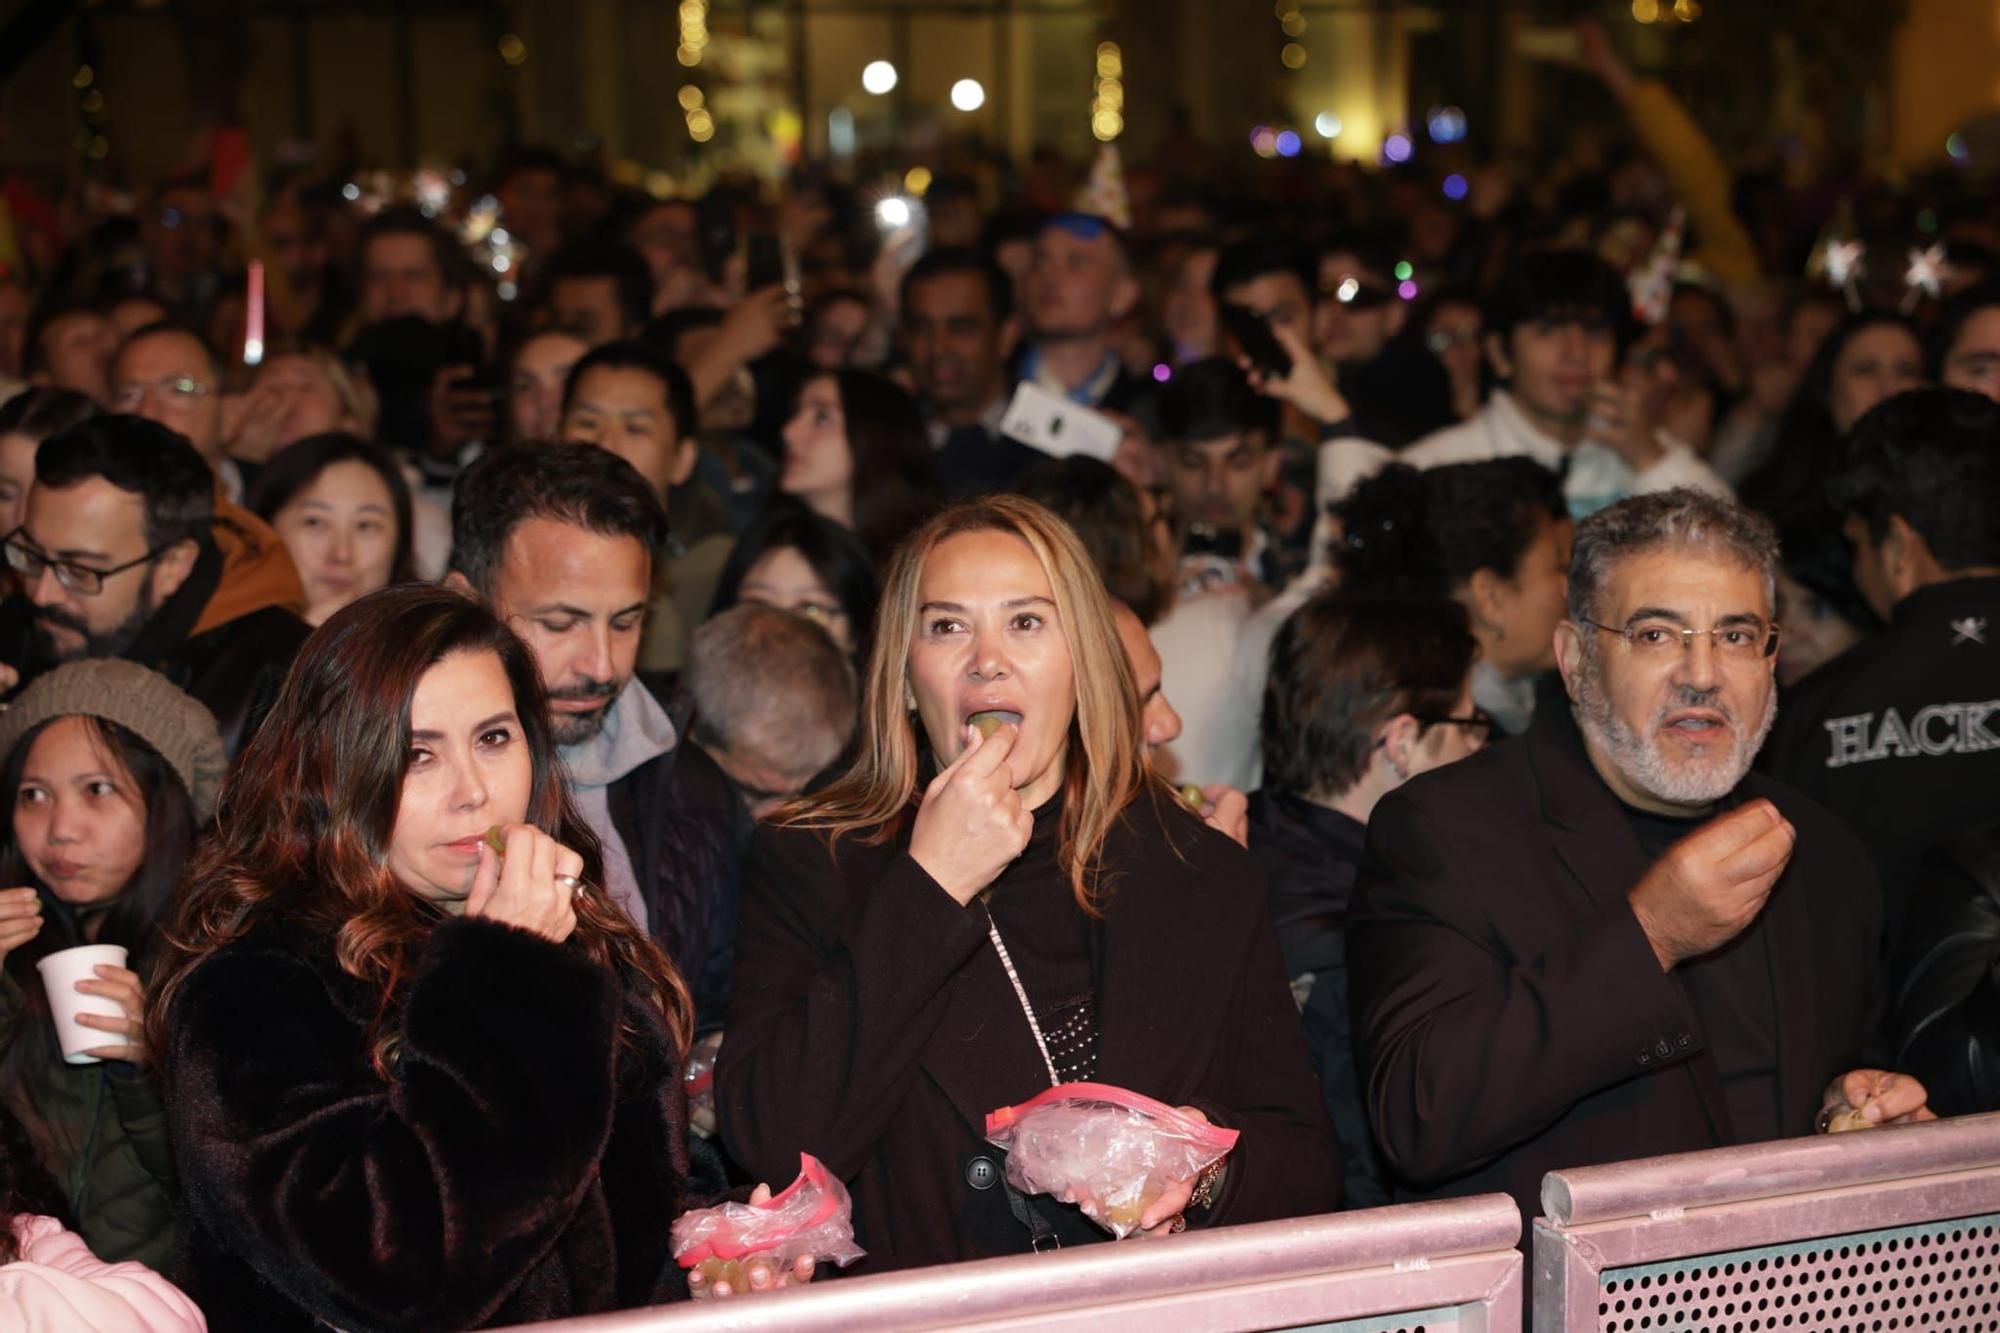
178	389
29	562
1745	641
1480	724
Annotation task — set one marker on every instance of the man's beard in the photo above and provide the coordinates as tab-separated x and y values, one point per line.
111	643
1698	780
576	728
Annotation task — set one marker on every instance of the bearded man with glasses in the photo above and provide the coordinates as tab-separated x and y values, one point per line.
117	556
1608	939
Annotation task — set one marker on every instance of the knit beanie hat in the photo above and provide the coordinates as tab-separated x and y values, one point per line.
141	701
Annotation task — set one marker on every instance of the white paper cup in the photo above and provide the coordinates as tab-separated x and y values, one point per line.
60	973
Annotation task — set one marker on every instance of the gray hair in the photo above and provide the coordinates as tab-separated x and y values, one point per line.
1683	518
773	682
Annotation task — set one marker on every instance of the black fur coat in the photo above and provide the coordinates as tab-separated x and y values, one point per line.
518	1167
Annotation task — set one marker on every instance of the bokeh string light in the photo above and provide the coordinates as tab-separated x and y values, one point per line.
1107	102
694	36
694	107
1292	26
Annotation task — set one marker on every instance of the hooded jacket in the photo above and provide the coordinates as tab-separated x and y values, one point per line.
226	636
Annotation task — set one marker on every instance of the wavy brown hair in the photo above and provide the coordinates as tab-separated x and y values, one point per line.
1105	767
305	821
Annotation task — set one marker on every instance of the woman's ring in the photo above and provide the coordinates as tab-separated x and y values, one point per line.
570	882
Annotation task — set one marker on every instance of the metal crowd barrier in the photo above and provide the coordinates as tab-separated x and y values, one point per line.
1449	1267
1888	1229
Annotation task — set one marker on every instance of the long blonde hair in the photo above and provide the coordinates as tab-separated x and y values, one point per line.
1105	767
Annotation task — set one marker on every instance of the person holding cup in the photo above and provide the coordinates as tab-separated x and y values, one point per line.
420	1071
110	771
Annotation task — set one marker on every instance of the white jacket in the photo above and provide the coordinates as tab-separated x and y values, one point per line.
1598	476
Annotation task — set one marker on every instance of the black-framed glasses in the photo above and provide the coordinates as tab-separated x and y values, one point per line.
29	562
1479	726
1741	641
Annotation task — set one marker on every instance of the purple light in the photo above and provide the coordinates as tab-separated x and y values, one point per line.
1455	186
1288	143
1162	373
1407	289
1396	148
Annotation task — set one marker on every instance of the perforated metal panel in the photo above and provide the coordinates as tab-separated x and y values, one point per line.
1939	1275
1447	1320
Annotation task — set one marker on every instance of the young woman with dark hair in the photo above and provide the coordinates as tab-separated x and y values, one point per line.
1869	357
108	771
413	1082
1493	536
342	507
856	451
802	562
26	419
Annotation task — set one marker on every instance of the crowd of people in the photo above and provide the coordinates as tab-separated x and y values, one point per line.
1516	686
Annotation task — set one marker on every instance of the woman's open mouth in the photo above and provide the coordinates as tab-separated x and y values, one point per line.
990	720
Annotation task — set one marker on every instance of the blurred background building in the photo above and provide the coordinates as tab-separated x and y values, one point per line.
669	93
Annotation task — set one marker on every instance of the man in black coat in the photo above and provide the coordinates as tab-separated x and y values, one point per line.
121	554
1604	940
1900	735
559	541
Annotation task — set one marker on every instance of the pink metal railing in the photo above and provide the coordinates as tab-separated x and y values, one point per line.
1892	1229
1455	1263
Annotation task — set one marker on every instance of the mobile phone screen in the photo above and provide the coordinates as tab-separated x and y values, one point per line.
1252	333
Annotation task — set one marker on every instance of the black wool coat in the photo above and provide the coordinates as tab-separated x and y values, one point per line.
519	1165
872	1025
1510	1015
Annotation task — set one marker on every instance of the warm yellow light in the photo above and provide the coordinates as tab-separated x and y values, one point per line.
1112	94
917	180
513	50
1646	11
1294	24
1293	56
1107	125
688	55
690	97
701	133
700	123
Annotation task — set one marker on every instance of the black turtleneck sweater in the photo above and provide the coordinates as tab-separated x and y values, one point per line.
1049	940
